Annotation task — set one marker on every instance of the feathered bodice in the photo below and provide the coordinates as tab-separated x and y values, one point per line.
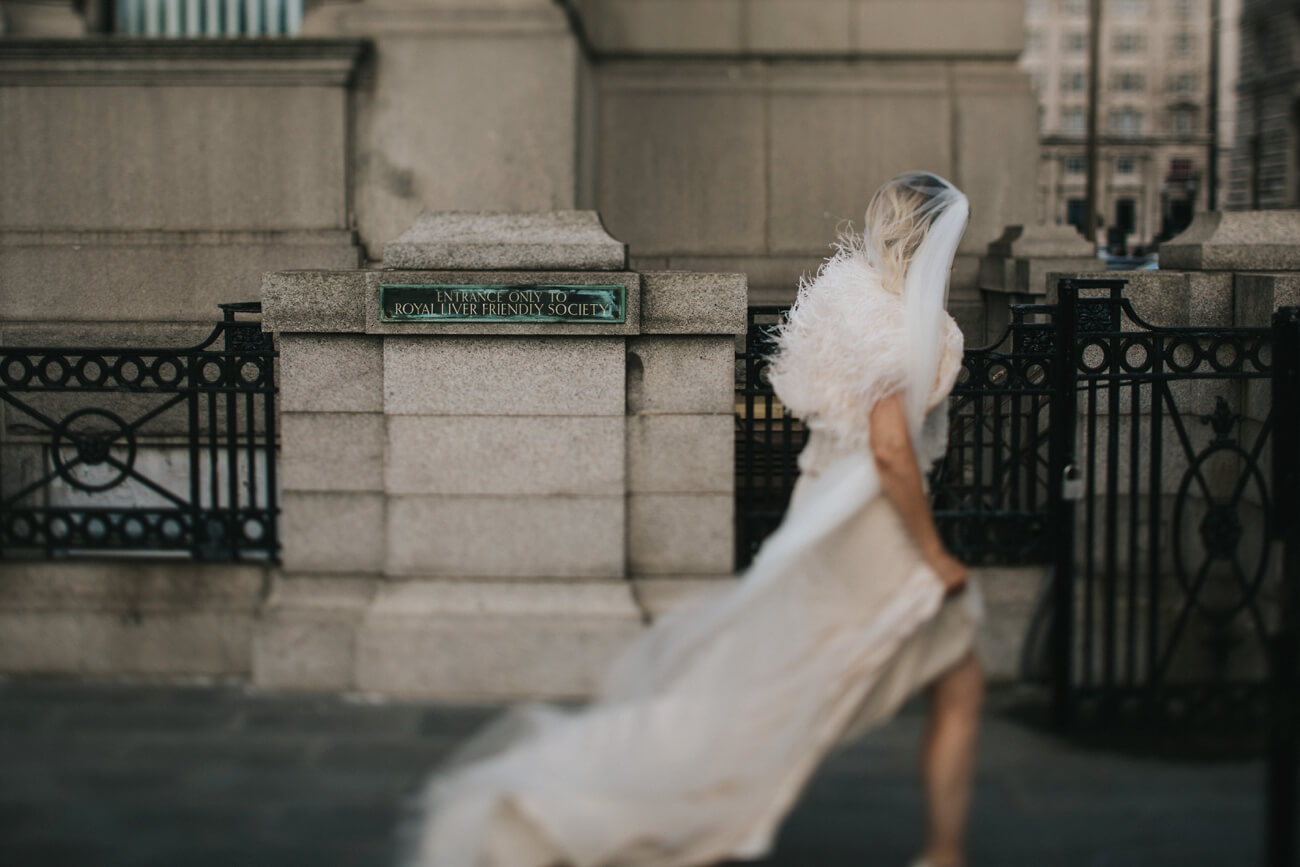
844	346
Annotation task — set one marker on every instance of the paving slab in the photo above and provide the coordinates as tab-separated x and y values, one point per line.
131	775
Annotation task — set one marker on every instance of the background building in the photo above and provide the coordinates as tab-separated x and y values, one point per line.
1153	113
1266	168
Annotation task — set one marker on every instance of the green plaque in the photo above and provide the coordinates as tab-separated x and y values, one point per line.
522	302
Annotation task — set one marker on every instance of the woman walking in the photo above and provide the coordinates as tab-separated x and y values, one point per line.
708	727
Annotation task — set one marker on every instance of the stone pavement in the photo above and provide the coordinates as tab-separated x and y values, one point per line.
111	775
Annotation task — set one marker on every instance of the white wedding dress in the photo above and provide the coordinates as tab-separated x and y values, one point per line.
708	727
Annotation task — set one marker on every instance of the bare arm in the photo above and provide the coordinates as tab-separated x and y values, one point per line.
900	477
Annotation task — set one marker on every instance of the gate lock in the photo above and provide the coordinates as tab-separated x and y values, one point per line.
1072	483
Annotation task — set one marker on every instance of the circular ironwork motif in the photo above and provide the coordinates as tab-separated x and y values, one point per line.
53	370
211	371
1260	354
250	372
134	529
1135	354
21	530
1221	534
1225	355
1184	355
58	528
91	371
16	370
1094	355
96	528
254	529
85	439
166	371
129	369
172	529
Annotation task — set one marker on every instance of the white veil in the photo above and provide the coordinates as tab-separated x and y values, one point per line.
926	292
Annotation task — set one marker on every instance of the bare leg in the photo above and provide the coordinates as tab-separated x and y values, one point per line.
948	763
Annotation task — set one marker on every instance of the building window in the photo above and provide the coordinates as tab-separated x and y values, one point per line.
1129	8
1128	81
1033	42
209	18
1126	215
1129	43
1182	45
1035	7
1183	9
1181	170
1183	121
1126	121
1073	81
1075	165
1183	83
1125	165
1073	120
1074	7
1075	42
1074	213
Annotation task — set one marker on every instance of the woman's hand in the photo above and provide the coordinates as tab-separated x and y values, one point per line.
951	571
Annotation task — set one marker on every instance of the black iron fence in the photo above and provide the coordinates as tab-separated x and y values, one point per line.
768	439
141	451
991	493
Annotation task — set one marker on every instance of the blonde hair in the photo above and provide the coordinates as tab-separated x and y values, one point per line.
898	218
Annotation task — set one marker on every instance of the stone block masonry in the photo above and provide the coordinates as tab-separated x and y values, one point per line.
475	499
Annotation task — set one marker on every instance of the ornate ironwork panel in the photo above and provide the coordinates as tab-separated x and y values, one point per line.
991	491
132	450
1168	586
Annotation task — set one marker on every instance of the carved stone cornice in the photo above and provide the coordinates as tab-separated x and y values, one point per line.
117	61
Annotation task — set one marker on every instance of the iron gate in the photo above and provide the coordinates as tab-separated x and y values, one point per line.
141	451
1166	585
1172	605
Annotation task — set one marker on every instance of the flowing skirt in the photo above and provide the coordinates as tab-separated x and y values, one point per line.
708	727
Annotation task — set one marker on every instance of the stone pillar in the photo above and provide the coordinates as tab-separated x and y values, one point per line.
463	106
466	504
1015	269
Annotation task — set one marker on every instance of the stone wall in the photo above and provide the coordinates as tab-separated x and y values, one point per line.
755	167
147	182
743	135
